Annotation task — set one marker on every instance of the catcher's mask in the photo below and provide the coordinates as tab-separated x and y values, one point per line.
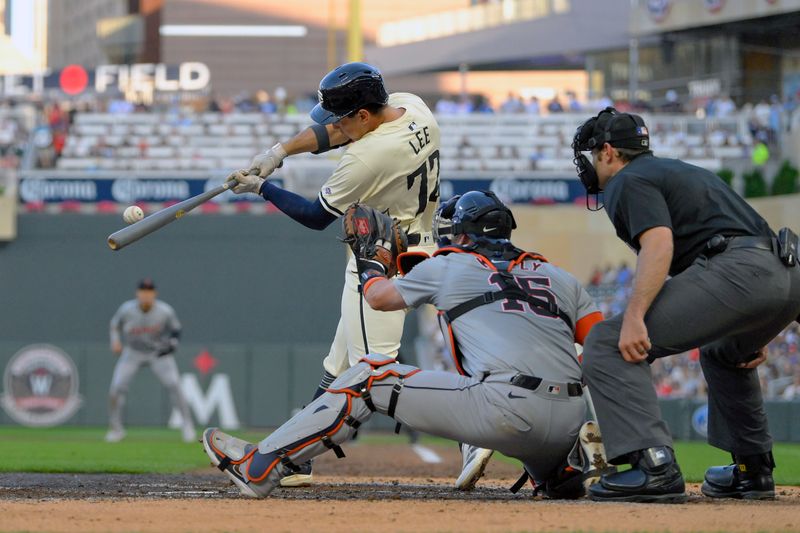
620	130
479	214
443	221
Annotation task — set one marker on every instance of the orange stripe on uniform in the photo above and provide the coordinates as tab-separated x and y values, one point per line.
585	325
524	256
371	282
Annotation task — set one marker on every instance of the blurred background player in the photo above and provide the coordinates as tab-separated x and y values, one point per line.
498	302
145	331
391	164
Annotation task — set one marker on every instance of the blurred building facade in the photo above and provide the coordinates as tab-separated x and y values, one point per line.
23	36
747	49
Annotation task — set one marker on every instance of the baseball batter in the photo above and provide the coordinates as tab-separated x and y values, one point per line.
145	331
391	163
512	319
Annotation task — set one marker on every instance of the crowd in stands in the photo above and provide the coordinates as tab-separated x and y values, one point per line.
680	376
13	138
230	128
765	119
516	104
680	130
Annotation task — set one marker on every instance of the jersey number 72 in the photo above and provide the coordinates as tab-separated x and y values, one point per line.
422	172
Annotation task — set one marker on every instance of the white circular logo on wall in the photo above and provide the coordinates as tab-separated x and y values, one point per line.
40	386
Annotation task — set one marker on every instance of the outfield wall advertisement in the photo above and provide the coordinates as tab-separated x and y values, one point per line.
127	190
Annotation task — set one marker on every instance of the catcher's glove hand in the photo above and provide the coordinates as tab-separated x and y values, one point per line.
376	241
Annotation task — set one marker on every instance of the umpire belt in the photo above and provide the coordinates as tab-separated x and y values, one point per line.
719	243
533	383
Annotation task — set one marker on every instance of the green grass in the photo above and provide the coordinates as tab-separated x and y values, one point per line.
78	449
74	449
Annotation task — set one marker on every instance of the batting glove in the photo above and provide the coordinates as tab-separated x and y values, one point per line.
265	164
246	182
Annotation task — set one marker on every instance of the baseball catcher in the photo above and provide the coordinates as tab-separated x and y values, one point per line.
512	320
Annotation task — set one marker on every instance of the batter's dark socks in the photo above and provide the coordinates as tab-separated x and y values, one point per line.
327	379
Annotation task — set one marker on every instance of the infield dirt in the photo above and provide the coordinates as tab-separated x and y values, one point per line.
377	488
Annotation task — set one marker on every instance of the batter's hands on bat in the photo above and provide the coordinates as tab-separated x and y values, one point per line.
265	164
761	356
246	182
634	343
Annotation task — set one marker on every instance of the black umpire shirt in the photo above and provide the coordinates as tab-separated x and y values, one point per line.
693	202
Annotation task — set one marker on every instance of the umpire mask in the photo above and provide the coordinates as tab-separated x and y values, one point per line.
621	130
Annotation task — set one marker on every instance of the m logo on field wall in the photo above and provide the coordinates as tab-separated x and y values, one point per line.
218	398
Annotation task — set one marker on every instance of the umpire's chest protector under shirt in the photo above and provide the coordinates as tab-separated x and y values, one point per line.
693	202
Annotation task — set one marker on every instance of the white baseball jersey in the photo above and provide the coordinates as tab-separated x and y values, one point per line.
394	168
383	167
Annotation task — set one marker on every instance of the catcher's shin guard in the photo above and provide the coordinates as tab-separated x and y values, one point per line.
232	456
323	424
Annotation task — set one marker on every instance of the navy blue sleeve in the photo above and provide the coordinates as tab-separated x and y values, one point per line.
310	214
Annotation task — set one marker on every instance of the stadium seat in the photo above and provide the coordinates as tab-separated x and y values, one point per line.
472	143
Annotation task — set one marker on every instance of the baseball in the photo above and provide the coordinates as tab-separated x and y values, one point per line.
133	214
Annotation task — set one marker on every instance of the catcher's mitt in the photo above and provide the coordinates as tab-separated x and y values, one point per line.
376	240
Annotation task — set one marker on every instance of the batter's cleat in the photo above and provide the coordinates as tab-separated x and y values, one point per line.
748	478
115	435
188	434
594	453
229	454
301	478
475	461
655	477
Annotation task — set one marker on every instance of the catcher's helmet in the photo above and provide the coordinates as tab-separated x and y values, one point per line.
481	215
346	89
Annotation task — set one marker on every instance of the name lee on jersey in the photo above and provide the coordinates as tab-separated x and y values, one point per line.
423	138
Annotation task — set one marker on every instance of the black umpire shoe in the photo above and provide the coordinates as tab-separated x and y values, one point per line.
655	477
748	478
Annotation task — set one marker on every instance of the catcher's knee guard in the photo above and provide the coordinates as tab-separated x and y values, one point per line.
326	422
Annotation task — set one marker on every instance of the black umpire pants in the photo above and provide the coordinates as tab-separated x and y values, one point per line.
730	306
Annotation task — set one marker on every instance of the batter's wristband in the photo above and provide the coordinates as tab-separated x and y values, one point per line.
323	139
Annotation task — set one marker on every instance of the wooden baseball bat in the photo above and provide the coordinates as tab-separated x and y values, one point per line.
146	226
